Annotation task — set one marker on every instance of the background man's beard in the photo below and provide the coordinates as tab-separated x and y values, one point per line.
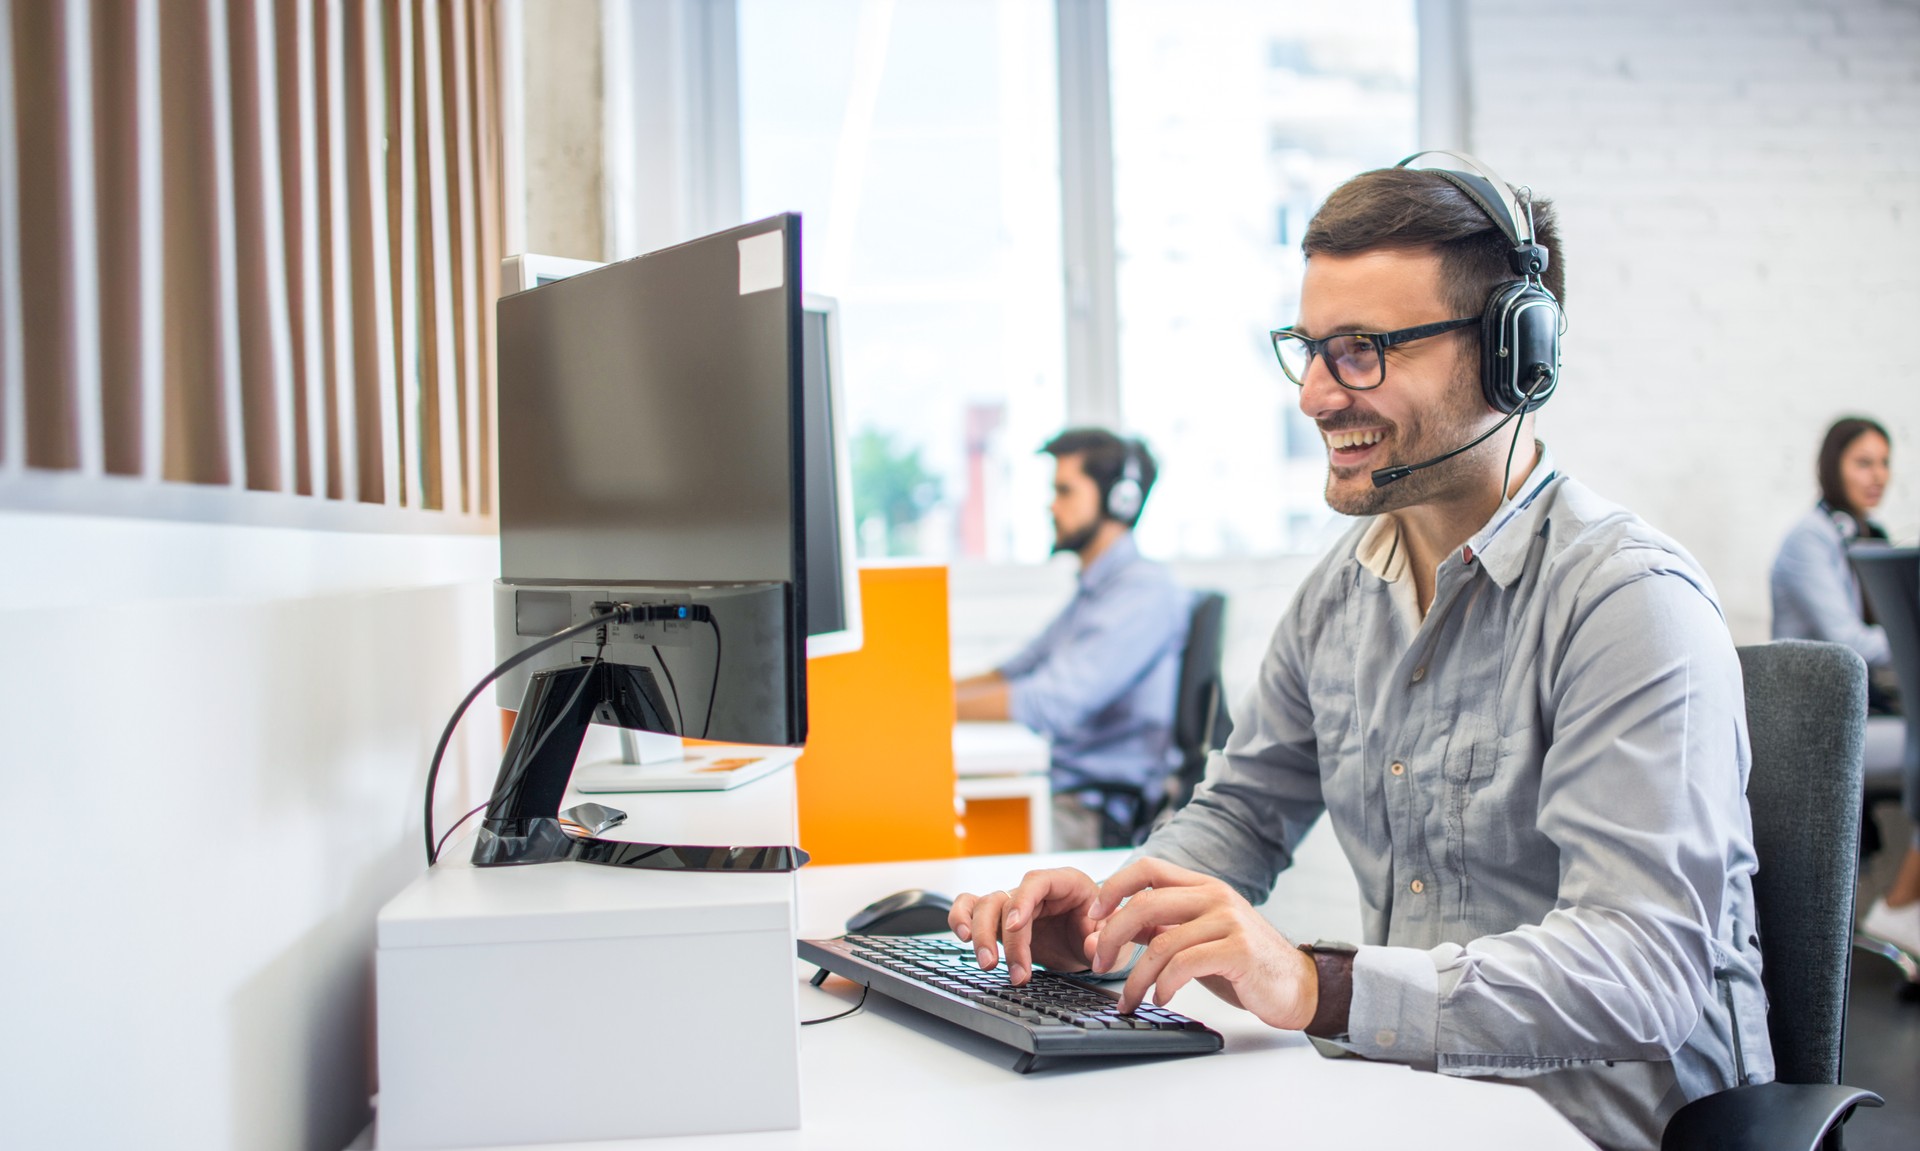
1075	541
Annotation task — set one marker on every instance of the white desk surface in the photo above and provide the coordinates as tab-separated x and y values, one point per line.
889	1076
998	749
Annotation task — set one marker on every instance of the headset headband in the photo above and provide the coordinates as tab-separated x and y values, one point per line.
1486	189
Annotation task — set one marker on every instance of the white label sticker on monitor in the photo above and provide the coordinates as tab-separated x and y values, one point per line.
763	262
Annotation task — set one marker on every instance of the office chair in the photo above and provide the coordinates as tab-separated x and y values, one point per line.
1891	579
1200	727
1806	710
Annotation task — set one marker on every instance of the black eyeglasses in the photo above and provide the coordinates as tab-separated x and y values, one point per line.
1352	357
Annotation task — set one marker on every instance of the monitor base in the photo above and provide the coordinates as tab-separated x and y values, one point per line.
524	824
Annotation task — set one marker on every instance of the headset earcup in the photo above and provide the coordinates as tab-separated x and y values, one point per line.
1127	494
1124	499
1523	322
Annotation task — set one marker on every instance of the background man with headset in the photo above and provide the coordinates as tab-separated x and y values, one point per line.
1517	703
1099	681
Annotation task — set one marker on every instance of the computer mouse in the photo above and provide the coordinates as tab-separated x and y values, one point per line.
909	912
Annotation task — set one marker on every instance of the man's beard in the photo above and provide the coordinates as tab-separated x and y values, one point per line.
1452	427
1075	541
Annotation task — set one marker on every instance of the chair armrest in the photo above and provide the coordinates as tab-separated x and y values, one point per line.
1764	1117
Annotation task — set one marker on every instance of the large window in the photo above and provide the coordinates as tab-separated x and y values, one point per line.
919	142
921	139
1232	120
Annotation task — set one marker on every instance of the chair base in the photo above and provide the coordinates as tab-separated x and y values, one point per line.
1764	1117
1908	964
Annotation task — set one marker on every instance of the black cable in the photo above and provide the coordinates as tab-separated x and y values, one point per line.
849	1011
679	716
456	827
714	691
507	665
1506	475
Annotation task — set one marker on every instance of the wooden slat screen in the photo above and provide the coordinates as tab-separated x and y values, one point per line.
251	245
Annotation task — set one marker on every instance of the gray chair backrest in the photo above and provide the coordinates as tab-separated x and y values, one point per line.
1200	723
1806	717
1891	579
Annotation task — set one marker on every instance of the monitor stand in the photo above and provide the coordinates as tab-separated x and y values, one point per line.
524	823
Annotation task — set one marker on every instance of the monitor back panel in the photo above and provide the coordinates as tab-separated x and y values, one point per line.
650	416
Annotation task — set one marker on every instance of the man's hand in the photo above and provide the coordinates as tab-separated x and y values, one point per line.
1196	927
983	698
1043	920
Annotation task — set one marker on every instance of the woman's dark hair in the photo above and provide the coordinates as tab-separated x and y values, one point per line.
1840	437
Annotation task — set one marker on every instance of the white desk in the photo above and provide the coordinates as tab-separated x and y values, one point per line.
1006	761
889	1077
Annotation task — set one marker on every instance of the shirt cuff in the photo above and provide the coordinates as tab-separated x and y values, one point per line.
1396	1006
1020	707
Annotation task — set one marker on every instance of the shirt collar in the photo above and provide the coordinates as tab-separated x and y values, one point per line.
1379	549
1118	555
1501	546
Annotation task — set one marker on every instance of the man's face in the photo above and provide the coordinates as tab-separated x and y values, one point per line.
1076	505
1429	402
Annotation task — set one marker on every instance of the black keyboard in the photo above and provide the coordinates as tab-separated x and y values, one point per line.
1050	1015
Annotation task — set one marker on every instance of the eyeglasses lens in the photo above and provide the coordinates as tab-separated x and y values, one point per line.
1354	359
1294	355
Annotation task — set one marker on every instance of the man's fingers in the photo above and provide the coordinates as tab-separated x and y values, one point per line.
960	917
1165	947
1146	915
1039	894
1055	900
986	930
1138	876
1213	957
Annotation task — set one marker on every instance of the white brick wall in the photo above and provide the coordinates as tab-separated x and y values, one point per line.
1739	194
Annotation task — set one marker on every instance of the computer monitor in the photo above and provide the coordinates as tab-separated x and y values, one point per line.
653	455
833	573
832	576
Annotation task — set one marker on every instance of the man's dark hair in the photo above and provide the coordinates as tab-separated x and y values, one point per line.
1103	456
1840	437
1412	208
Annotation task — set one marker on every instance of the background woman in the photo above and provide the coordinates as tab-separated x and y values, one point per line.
1817	596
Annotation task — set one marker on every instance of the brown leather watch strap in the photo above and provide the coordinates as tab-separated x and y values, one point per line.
1335	969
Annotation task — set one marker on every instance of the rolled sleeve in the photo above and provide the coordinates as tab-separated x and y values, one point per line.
1395	1013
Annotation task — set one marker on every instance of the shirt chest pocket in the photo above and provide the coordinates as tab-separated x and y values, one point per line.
1346	783
1491	800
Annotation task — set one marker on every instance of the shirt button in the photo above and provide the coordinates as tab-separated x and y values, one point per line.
1385	1038
1416	887
1419	673
1398	769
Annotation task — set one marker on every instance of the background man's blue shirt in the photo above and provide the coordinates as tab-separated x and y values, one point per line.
1099	681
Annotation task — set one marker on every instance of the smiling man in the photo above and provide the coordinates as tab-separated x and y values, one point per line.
1517	704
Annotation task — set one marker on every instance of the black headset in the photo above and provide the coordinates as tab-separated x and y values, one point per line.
1521	325
1128	494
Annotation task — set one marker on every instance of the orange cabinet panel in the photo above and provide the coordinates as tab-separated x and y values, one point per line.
876	781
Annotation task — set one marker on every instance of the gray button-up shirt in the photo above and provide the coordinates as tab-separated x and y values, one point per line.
1541	789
